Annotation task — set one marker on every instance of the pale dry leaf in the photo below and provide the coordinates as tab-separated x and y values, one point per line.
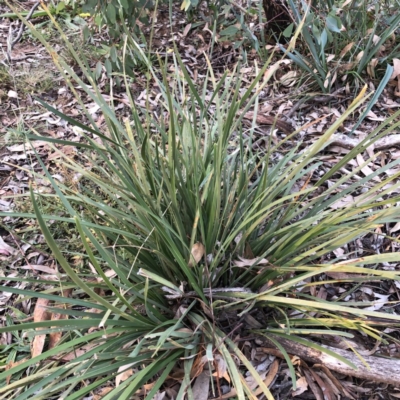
345	201
187	29
159	396
6	249
346	3
301	386
37	345
221	368
359	56
375	38
330	57
201	387
371	67
396	228
55	337
270	377
289	79
61	152
124	375
102	392
333	80
271	70
338	252
145	389
42	268
12	365
230	395
243	262
197	253
396	68
273	370
346	49
252	383
24	147
379	303
12	94
326	390
39	314
365	169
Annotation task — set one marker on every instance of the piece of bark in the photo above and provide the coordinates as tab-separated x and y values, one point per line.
380	369
349	143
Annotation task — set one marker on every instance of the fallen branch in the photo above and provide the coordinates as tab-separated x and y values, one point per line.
376	369
349	143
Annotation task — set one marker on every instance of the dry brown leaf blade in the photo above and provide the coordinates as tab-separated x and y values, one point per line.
313	386
326	390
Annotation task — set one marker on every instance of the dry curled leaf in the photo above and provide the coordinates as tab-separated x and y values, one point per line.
197	253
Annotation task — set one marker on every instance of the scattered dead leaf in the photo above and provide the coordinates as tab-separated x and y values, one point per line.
11	365
102	392
221	368
6	249
124	375
197	253
39	314
346	49
55	337
243	262
201	387
301	386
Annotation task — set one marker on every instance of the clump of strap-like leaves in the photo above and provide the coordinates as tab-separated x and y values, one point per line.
169	207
